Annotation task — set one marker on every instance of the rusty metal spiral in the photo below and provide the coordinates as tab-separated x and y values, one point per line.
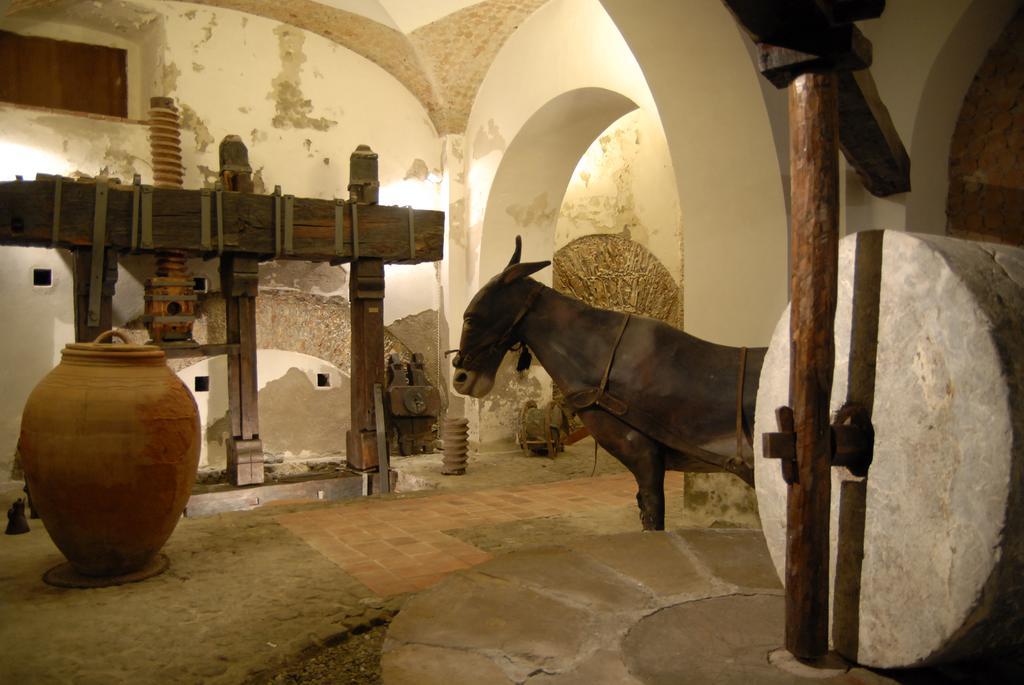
165	143
455	435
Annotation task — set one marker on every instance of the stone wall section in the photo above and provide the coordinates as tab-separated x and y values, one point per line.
986	162
459	49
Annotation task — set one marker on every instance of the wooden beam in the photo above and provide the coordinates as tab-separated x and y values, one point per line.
802	36
794	24
366	294
27	217
849	51
239	278
846	11
868	137
814	158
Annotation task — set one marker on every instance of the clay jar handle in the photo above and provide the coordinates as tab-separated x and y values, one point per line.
107	335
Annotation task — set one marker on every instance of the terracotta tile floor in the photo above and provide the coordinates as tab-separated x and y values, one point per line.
397	545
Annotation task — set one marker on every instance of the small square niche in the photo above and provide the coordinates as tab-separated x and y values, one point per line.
323	380
202	384
201	284
42	278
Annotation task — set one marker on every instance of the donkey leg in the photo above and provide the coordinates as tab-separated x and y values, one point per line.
641	455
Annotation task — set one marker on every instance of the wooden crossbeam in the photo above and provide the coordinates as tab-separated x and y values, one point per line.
249	223
868	137
797	37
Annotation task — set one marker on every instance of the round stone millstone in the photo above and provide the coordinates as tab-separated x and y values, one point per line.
942	507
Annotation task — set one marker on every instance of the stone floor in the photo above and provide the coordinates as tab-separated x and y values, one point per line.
534	573
249	592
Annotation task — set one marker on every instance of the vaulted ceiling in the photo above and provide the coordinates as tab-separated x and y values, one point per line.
439	49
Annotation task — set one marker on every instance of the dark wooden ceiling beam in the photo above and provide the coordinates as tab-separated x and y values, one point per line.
848	11
797	37
27	218
868	137
848	50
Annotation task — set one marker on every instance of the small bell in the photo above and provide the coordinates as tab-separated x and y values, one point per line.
525	359
16	521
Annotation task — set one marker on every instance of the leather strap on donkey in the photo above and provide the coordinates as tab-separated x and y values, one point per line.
600	397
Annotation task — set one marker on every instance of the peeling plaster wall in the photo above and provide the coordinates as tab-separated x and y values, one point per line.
297	419
301	103
379	43
35	140
624	184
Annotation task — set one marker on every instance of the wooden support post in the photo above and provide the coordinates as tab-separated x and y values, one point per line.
239	277
813	126
366	294
84	332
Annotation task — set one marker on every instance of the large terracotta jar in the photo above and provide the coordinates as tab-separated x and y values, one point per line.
110	447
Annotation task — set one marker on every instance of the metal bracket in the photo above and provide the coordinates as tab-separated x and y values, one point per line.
289	227
277	220
219	193
136	194
782	445
339	227
355	231
99	239
412	233
57	183
852	441
204	219
383	462
146	210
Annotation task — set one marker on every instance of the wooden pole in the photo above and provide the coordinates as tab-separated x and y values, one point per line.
813	126
239	278
366	294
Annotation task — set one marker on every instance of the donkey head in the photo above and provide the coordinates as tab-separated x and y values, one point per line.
489	324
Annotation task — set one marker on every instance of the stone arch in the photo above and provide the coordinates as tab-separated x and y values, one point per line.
535	171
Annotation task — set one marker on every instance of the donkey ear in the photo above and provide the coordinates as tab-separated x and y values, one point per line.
518	253
514	272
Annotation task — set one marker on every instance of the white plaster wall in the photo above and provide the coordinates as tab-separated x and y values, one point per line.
38	321
371	9
213	404
727	172
412	14
624	181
